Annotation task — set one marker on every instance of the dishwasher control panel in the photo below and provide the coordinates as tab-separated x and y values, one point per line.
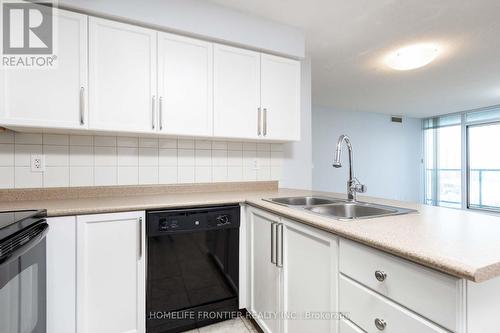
171	221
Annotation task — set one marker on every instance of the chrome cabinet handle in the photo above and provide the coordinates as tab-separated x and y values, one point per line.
160	120
273	245
140	237
153	112
265	121
259	116
82	105
380	276
279	246
380	324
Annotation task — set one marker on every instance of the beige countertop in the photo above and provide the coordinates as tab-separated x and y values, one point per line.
461	243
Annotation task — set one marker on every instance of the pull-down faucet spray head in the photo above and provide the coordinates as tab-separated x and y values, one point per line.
353	185
338	150
338	156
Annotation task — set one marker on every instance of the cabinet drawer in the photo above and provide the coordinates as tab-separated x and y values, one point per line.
364	307
347	327
429	293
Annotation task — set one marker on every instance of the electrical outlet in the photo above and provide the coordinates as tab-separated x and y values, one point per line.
256	164
37	163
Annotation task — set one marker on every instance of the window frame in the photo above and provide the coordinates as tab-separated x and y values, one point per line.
467	168
434	182
465	155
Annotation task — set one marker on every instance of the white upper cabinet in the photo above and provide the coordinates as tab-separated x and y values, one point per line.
53	97
280	98
122	77
117	77
236	92
185	81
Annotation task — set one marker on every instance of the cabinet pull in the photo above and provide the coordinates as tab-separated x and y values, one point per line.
265	122
279	246
153	112
380	276
160	120
273	245
259	116
140	237
82	105
380	324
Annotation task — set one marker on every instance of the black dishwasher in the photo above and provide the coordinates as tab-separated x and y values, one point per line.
192	266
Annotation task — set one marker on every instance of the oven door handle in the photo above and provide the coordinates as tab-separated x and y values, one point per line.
23	243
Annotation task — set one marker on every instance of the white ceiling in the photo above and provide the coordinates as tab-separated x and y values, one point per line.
346	40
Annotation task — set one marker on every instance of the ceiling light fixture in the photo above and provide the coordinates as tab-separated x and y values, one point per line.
412	56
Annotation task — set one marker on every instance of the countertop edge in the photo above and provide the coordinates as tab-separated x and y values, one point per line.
131	208
479	275
471	274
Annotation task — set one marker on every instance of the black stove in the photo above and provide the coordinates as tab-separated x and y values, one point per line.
23	271
15	221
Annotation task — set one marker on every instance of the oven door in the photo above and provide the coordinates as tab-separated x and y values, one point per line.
23	282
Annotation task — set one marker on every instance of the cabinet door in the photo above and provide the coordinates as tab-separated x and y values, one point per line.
280	98
236	92
53	97
310	271
185	83
347	327
122	77
111	273
264	275
61	275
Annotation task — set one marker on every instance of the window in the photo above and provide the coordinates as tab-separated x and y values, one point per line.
484	166
443	163
462	162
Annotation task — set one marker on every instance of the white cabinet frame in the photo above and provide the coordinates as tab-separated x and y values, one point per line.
282	282
112	109
185	86
83	261
26	93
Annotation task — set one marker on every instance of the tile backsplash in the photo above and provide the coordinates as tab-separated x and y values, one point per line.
74	160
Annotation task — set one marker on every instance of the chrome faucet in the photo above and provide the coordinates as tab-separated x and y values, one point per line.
353	184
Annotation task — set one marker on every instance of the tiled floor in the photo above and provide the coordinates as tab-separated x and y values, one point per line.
238	325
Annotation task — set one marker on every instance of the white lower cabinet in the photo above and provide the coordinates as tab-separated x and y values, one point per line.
293	275
309	279
264	275
374	313
431	294
111	273
298	279
61	275
347	327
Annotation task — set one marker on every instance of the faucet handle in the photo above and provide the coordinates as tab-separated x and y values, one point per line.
360	188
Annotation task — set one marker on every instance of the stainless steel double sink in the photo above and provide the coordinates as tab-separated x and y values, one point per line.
339	208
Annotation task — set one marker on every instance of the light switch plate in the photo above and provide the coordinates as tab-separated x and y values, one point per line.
37	163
